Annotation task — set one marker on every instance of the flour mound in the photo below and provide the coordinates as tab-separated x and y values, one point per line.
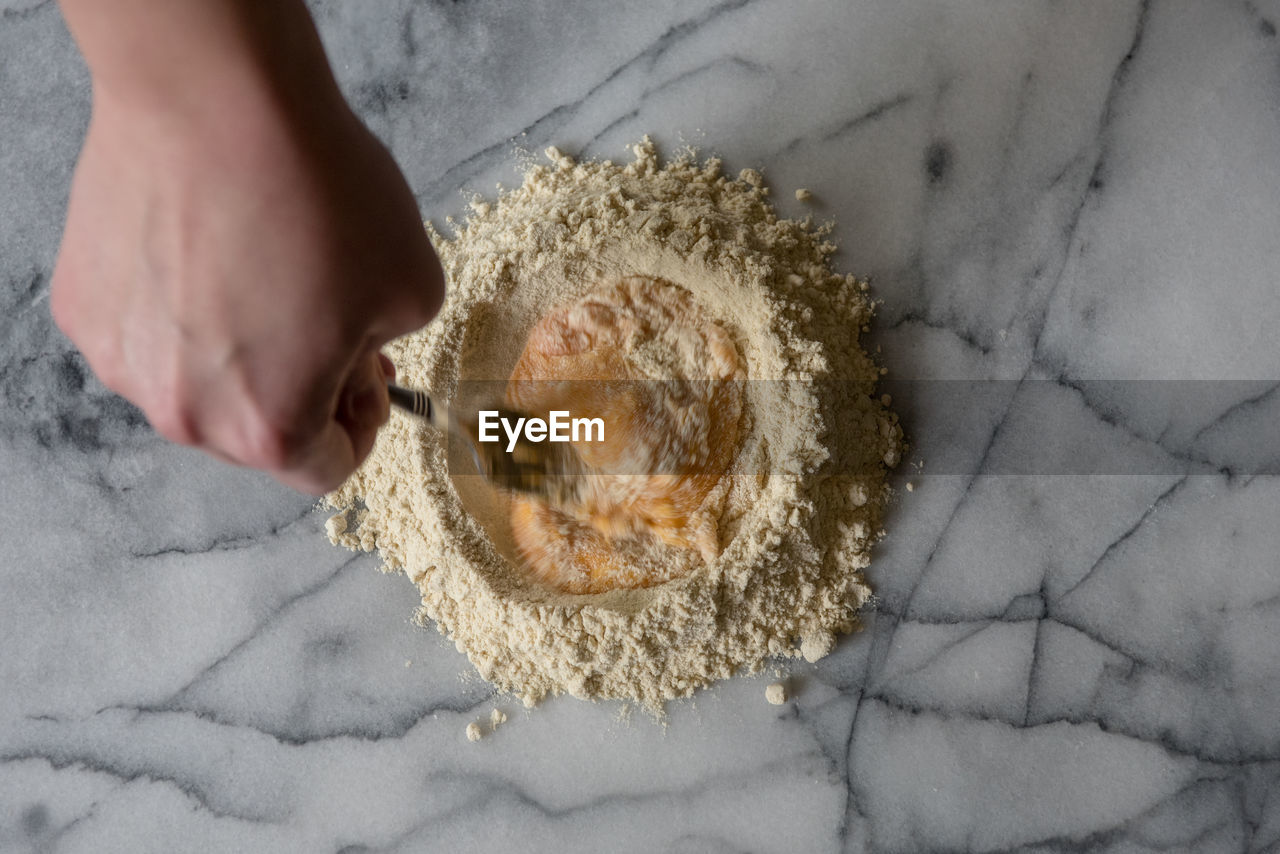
801	504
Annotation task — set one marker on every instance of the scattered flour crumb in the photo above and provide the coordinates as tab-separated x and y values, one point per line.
336	525
558	157
803	195
776	693
911	487
408	662
497	718
817	645
474	733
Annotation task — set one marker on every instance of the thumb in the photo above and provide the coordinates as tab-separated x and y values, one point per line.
345	441
363	404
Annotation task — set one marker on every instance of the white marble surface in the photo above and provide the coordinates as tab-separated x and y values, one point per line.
1062	191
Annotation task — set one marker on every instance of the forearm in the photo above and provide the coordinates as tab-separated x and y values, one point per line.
179	56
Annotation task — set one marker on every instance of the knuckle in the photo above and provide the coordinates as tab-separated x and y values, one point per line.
108	366
60	306
420	299
431	289
68	313
111	374
307	482
268	446
175	421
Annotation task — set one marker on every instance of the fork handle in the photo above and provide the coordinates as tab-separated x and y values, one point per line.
411	400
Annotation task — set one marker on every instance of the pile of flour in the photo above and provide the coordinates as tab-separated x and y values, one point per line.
804	500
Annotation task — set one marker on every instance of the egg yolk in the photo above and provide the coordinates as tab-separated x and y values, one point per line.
643	357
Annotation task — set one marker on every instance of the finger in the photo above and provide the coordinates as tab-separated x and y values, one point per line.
326	464
388	367
347	438
363	404
274	418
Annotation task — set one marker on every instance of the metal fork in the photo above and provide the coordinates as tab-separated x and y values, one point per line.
551	471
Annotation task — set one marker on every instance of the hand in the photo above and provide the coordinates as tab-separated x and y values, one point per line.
233	265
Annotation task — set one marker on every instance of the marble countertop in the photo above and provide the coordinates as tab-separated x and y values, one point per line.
1070	660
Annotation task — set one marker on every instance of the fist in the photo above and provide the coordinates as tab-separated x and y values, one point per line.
234	273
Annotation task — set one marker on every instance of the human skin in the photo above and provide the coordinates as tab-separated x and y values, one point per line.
238	246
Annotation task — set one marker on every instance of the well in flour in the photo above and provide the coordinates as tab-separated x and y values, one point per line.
642	357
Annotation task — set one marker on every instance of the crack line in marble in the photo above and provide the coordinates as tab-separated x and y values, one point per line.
462	171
